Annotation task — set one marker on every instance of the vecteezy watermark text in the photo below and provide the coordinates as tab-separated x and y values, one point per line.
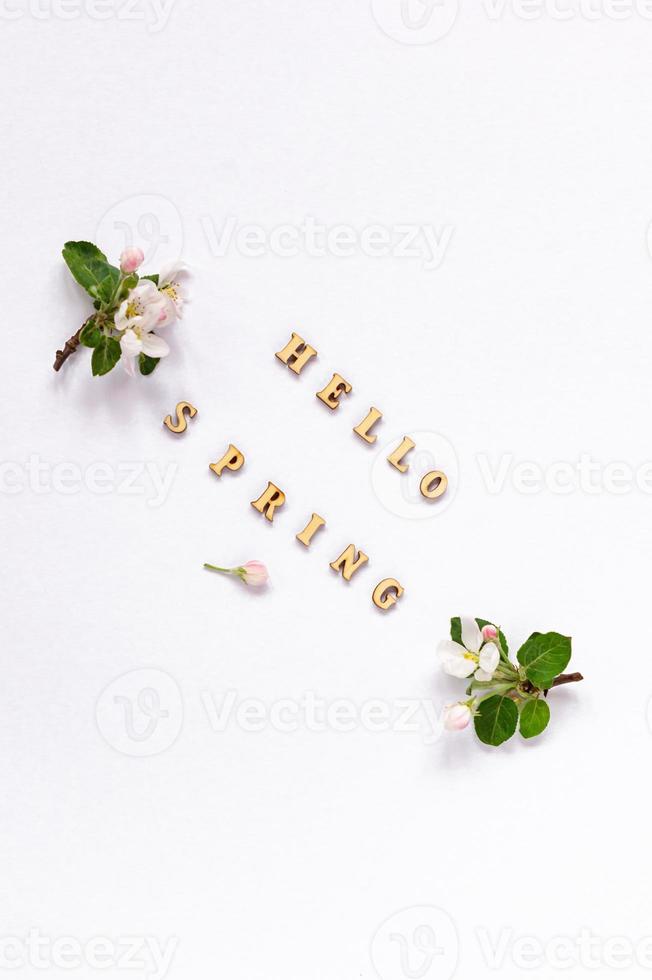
153	13
154	223
584	475
418	22
128	953
423	942
141	713
320	715
318	240
585	950
39	476
564	10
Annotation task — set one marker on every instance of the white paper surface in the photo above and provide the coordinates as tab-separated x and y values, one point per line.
240	834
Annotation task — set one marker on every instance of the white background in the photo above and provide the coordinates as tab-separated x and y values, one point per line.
280	854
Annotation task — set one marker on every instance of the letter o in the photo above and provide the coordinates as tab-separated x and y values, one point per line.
434	485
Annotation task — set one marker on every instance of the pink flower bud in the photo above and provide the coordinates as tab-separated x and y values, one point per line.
254	573
131	259
457	717
489	633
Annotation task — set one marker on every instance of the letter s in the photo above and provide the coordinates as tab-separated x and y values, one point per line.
181	424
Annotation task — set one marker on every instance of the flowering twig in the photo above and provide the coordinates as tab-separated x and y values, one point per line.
127	309
502	695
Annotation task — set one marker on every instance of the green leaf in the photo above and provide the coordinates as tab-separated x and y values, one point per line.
456	629
106	289
105	356
147	364
152	278
534	718
91	334
90	268
497	720
544	656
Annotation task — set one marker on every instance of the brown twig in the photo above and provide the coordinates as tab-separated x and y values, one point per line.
69	347
567	679
530	688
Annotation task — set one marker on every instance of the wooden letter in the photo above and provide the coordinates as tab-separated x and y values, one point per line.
181	424
296	353
363	429
349	563
397	456
331	393
269	501
434	485
232	460
387	593
310	529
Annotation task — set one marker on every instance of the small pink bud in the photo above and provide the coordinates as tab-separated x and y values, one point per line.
131	259
254	573
457	717
489	633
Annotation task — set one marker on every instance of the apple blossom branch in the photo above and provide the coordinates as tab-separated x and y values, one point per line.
130	309
502	695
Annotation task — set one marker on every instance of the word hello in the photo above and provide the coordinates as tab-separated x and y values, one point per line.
295	355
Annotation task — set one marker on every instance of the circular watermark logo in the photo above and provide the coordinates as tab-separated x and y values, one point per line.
400	493
415	21
149	221
140	713
419	943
